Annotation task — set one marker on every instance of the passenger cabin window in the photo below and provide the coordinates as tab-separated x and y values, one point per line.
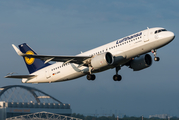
158	31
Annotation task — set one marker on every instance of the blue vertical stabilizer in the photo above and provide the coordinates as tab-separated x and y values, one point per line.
33	64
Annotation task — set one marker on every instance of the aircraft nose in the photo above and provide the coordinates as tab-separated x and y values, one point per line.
170	36
173	35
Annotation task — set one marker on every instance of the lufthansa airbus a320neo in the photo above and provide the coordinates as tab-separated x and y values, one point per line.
130	51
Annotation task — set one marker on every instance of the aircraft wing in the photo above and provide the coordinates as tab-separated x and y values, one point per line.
66	59
48	58
20	76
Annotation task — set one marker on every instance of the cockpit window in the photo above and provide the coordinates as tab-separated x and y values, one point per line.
163	30
157	31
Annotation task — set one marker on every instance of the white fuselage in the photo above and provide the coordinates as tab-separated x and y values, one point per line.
122	49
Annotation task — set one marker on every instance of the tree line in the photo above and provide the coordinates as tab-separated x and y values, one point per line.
115	118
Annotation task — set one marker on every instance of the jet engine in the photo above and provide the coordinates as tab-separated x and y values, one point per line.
141	62
102	60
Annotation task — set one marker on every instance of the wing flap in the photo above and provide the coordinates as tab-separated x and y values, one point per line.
20	76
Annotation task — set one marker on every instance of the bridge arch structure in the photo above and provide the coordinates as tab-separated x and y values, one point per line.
18	100
20	93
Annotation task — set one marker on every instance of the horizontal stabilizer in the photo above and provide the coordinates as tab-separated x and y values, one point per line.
20	76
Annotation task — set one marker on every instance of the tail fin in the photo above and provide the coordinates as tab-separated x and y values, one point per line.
32	63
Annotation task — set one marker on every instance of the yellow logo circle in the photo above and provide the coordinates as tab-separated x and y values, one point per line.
28	60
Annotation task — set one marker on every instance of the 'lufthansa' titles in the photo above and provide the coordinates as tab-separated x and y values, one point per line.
128	38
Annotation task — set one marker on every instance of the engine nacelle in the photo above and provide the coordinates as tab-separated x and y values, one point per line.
141	62
102	60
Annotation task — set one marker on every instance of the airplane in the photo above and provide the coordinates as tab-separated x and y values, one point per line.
131	51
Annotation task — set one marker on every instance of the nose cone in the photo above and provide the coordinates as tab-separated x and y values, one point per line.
171	36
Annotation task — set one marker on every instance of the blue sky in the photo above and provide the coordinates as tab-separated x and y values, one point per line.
69	27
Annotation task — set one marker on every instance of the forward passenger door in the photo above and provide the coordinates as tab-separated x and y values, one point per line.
146	35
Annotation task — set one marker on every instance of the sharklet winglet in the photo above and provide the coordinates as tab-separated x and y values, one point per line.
17	50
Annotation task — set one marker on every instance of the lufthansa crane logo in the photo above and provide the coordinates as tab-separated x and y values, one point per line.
28	60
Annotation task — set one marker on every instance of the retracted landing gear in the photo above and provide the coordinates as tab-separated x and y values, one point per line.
155	53
117	77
